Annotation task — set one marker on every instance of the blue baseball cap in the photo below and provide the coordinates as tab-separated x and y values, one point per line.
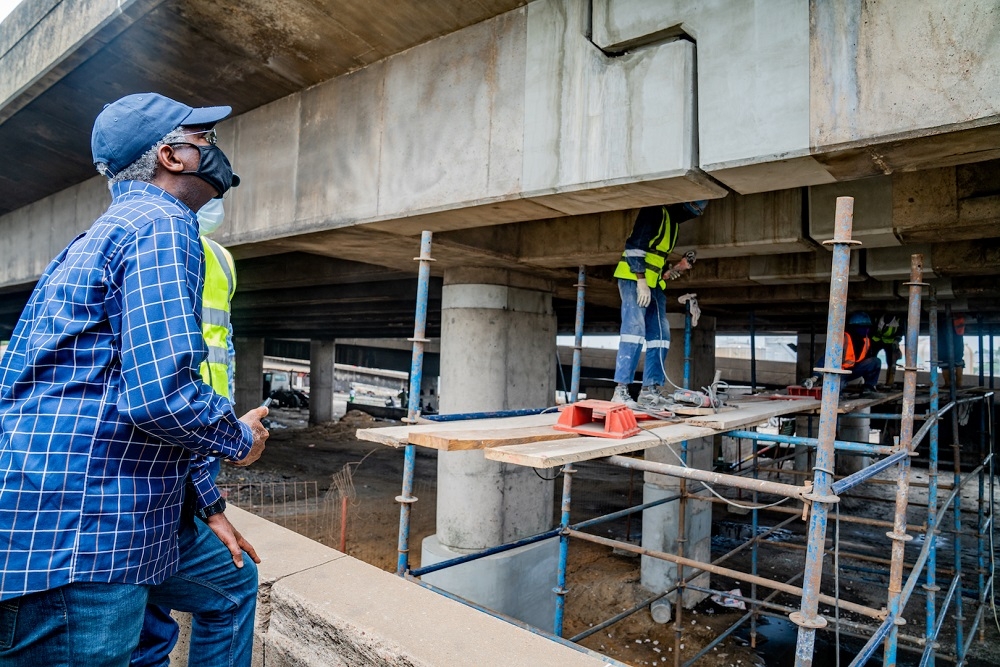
126	129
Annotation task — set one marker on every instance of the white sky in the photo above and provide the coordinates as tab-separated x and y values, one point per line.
6	7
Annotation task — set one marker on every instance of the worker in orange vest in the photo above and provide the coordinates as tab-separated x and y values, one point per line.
859	357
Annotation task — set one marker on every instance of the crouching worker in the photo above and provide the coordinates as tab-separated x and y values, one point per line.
859	358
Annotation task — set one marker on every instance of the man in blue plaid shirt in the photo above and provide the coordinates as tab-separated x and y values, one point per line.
103	415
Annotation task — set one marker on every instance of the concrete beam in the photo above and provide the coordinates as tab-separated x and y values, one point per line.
751	108
41	41
873	211
895	69
766	223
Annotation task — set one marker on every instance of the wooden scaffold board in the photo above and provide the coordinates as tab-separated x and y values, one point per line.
531	441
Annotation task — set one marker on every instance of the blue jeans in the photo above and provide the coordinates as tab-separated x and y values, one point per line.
93	624
642	325
221	598
868	369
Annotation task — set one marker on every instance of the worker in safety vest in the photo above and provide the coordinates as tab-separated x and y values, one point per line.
642	274
221	598
886	337
858	356
955	354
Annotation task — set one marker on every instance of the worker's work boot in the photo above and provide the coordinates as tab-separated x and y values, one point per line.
650	398
622	396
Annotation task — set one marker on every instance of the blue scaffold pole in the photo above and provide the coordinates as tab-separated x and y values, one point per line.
406	497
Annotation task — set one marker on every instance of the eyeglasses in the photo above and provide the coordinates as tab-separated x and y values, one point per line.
209	135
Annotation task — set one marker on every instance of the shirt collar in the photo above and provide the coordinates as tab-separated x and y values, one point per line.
127	190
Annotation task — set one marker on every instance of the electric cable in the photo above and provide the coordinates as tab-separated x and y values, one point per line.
710	489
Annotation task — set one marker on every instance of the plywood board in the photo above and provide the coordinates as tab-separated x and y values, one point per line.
751	413
399	436
559	452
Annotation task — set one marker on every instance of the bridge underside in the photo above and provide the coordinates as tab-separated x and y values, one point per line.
358	126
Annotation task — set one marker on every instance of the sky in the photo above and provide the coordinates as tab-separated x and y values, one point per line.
6	7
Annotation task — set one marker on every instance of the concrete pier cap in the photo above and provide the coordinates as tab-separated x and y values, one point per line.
498	349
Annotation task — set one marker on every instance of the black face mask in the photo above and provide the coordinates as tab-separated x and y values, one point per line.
215	169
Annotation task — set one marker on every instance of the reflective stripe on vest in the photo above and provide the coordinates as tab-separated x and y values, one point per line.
849	357
220	285
656	255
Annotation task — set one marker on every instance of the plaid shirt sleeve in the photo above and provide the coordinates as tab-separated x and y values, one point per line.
162	346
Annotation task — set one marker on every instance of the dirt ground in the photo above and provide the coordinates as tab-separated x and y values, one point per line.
601	583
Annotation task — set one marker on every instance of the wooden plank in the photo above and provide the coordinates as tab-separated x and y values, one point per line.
855	404
477	439
399	436
752	413
696	412
559	452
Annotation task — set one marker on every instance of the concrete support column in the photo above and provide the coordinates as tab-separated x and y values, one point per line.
249	373
321	380
498	340
660	525
808	357
853	429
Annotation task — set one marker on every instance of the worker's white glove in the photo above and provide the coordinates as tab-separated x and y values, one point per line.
642	294
672	274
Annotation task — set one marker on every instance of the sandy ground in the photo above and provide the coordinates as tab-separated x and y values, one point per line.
293	484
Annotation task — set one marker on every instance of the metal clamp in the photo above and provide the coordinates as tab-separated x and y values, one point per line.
838	371
815	498
798	619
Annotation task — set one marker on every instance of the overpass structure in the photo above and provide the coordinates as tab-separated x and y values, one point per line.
525	135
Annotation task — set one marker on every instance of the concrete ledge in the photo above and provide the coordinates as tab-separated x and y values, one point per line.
319	607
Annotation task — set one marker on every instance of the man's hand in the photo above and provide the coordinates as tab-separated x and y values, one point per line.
252	419
231	538
642	294
681	266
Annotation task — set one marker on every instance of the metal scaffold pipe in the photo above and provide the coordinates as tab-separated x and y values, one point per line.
852	607
581	290
807	618
709	477
898	535
406	498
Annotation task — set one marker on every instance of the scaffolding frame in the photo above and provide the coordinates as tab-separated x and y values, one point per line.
819	499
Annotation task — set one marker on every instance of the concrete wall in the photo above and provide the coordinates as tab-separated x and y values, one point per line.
317	606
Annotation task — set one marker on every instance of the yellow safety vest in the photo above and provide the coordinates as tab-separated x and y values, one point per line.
220	285
659	249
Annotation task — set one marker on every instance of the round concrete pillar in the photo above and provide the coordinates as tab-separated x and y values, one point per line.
497	353
498	341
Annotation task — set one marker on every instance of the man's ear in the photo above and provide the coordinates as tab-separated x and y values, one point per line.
168	159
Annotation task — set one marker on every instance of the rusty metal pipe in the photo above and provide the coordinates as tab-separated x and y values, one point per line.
721	479
727	572
807	617
899	535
